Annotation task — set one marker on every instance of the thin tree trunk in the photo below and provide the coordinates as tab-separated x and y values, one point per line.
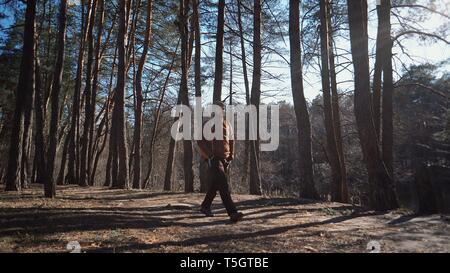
376	93
184	93
62	169
118	119
103	124
25	87
198	49
247	92
157	115
131	62
231	74
337	116
54	97
255	175
41	176
307	188
218	74
88	116
169	165
73	163
332	151
171	157
93	98
139	100
26	143
108	173
198	80
387	142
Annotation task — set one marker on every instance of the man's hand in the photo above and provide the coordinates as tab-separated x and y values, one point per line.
230	158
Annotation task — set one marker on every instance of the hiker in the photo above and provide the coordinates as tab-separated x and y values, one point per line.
219	154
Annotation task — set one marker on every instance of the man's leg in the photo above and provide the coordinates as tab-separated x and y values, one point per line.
212	189
222	184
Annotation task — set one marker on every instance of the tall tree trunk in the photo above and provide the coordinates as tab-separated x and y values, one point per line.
25	172
184	93
93	98
73	171
376	85
307	188
247	91
255	175
332	151
230	94
337	116
108	169
157	115
198	48
198	82
387	142
380	183
41	176
25	88
88	116
139	101
54	97
118	119
218	74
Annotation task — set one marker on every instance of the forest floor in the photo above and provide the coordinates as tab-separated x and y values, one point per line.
104	220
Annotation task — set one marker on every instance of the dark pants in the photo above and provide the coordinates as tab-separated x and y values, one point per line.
218	182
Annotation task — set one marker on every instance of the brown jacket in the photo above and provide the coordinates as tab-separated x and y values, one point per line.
219	148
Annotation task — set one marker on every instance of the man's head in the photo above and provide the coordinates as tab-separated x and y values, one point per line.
220	103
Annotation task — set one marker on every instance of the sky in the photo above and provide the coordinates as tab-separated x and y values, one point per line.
422	52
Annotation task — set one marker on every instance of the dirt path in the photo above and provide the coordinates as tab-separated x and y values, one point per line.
104	220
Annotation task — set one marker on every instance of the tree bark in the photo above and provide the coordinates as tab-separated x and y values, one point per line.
198	80
337	116
157	115
41	176
118	119
184	93
62	168
169	165
89	169
25	173
108	169
88	116
380	183
387	142
376	84
25	88
247	91
255	175
54	97
218	74
332	150
73	171
307	188
139	101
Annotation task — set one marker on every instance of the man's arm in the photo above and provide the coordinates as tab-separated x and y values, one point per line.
204	149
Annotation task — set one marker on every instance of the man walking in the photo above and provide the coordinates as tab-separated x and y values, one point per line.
219	154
